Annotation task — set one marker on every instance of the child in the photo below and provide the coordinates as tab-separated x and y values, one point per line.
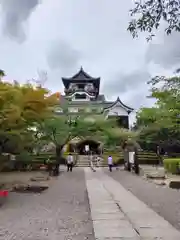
110	163
69	162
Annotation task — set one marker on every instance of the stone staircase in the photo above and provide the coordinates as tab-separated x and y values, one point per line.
83	161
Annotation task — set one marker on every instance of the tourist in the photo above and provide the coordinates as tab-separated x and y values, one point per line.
110	163
98	161
69	162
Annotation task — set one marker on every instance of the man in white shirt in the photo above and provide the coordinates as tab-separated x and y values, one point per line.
69	162
110	163
86	149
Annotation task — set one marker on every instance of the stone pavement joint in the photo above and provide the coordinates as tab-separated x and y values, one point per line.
118	214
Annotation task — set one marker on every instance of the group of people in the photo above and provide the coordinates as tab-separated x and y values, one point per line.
93	159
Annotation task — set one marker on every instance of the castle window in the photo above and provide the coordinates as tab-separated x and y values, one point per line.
58	110
73	110
80	96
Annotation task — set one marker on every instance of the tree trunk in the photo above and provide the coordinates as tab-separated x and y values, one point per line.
57	164
59	148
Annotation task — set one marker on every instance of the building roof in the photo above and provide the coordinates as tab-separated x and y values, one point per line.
118	101
81	76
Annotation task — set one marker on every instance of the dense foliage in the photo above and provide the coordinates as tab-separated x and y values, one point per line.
22	107
160	125
59	131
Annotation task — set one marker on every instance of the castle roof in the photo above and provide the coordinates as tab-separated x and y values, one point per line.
81	76
118	102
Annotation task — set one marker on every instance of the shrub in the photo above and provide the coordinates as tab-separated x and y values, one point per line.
172	165
24	157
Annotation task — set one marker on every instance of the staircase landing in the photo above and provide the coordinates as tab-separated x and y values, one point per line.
83	161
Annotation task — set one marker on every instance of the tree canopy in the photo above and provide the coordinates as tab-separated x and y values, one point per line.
161	124
59	131
21	108
148	15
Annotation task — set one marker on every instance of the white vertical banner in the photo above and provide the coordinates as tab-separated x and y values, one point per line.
131	157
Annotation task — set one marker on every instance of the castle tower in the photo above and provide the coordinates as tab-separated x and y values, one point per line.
81	87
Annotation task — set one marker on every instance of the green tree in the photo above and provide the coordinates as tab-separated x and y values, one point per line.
21	108
60	130
161	124
148	15
2	74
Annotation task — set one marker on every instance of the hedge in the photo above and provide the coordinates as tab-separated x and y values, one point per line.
25	161
172	165
143	157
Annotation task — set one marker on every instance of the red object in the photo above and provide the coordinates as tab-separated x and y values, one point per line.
4	193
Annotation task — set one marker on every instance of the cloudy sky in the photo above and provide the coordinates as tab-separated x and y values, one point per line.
60	36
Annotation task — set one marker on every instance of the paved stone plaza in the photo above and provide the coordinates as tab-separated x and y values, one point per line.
82	205
61	213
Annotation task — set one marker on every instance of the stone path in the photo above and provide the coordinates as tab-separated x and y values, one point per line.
163	200
118	214
60	213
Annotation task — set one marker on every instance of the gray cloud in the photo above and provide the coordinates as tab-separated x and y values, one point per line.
139	98
62	56
125	82
14	14
82	32
167	52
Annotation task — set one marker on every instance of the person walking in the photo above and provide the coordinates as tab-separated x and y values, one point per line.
110	163
97	161
69	162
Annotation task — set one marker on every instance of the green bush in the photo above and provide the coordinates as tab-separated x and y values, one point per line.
24	157
172	165
24	162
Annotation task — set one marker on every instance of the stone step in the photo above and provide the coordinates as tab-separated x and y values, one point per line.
88	165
